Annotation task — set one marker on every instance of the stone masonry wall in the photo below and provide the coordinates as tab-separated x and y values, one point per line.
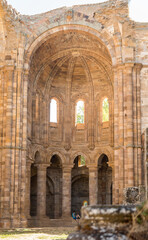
84	52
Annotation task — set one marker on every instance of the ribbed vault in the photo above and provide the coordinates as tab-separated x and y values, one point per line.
71	54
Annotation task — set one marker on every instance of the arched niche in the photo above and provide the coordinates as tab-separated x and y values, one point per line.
54	188
104	180
79	184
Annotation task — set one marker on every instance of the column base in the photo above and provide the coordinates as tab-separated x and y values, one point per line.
13	222
5	223
47	222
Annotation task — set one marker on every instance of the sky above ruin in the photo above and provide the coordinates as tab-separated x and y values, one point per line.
138	8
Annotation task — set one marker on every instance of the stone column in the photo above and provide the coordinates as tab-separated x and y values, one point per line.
66	203
23	141
139	143
8	151
93	185
129	164
120	162
116	143
41	190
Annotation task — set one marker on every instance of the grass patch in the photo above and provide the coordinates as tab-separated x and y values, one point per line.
43	237
61	237
6	236
50	233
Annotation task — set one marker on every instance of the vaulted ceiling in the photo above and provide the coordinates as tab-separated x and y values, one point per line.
73	56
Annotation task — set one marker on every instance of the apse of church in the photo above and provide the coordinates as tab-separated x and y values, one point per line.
73	112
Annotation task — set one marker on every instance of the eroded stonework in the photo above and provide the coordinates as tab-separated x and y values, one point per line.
88	53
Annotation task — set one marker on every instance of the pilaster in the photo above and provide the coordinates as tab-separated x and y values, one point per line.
66	204
41	190
93	185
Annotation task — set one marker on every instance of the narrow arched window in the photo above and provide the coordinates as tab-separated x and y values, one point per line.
80	112
53	111
105	110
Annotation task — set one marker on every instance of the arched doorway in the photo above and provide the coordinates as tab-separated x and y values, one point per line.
79	184
33	191
104	181
54	188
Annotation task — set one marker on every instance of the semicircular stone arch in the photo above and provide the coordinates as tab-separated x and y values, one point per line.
60	155
87	158
104	36
105	152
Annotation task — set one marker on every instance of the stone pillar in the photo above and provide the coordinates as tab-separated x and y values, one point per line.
7	160
93	185
66	203
127	129
139	143
41	190
23	142
129	164
116	143
121	150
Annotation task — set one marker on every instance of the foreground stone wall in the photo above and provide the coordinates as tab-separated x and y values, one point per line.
110	222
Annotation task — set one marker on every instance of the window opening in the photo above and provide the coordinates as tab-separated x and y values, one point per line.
80	112
53	111
105	110
81	161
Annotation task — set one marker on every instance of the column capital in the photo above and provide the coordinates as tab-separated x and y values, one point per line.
67	167
92	167
41	166
129	64
29	162
138	66
118	66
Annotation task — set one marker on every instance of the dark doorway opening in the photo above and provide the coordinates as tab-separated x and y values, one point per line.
79	184
54	188
33	191
104	181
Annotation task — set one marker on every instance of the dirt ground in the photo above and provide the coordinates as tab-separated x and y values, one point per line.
51	233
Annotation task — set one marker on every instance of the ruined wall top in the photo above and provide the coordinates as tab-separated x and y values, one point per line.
12	12
9	9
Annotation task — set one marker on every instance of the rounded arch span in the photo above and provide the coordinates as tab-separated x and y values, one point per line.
107	40
58	97
87	158
105	152
60	155
80	97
